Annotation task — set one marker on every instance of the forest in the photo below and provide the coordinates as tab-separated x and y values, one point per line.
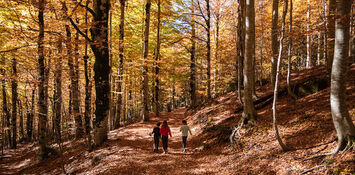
239	86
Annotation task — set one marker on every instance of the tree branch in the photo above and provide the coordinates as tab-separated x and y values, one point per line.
79	31
16	48
199	7
202	25
88	9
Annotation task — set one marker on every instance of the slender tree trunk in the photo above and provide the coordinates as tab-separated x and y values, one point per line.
58	90
193	59
309	55
318	49
340	114
22	132
14	103
30	115
331	34
87	71
289	57
249	109
157	58
216	55
120	66
274	43
325	37
208	23
79	132
4	105
42	129
241	45
145	65
274	123
68	44
262	43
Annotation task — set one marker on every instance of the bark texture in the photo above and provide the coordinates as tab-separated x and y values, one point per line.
249	109
145	65
340	114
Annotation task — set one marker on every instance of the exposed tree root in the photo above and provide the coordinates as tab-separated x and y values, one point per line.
314	168
237	129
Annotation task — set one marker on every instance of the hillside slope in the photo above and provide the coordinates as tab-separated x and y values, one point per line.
305	125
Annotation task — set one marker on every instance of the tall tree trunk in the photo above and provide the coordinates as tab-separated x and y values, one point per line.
241	45
58	90
309	55
14	103
145	65
99	33
208	23
79	132
274	44
87	72
289	57
215	76
249	109
325	37
120	66
68	44
193	59
157	58
4	101
30	115
331	34
262	43
340	114
22	132
274	123
42	125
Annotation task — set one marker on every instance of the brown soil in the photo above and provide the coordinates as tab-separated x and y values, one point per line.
305	124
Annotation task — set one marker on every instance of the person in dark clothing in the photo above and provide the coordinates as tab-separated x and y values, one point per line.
165	132
156	132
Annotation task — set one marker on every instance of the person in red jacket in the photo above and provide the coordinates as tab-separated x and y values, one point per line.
165	132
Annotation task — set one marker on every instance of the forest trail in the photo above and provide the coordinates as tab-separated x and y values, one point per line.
136	156
129	150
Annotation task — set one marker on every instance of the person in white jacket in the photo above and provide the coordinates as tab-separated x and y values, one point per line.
184	129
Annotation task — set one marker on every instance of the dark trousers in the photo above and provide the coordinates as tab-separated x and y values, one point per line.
184	138
165	142
156	143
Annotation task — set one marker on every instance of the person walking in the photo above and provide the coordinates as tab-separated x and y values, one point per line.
156	134
185	130
165	132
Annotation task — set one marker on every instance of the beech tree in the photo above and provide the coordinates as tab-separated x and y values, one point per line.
157	58
249	109
99	46
274	46
42	123
274	113
145	64
193	58
342	121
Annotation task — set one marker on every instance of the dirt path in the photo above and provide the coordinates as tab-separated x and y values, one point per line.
130	151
